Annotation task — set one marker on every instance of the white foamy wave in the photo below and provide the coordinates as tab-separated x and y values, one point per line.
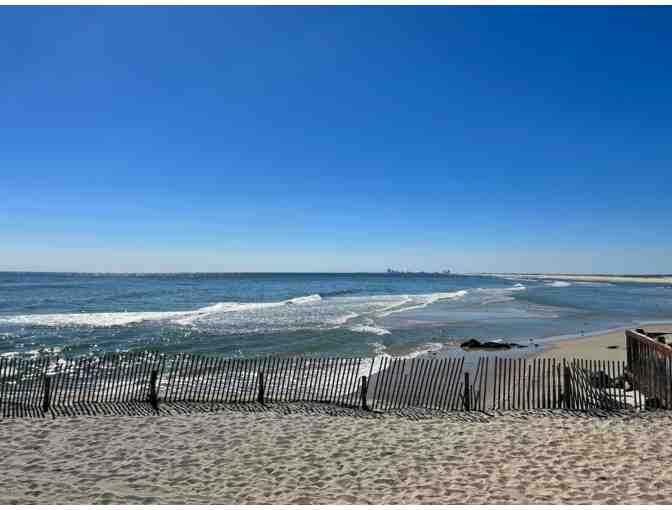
499	295
363	328
375	364
378	348
425	349
421	301
109	319
338	321
89	319
303	300
559	284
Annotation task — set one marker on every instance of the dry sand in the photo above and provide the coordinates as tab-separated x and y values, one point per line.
261	458
596	347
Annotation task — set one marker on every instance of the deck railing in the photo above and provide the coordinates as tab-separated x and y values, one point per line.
650	366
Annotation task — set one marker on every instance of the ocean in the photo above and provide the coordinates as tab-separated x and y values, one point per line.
246	315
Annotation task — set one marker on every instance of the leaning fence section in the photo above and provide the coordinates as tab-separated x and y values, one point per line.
31	387
548	383
427	383
190	378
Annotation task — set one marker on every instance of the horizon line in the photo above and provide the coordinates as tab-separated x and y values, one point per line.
384	272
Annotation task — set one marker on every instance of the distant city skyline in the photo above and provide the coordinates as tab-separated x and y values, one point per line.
336	139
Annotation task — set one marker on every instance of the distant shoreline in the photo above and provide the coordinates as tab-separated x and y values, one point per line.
644	278
596	277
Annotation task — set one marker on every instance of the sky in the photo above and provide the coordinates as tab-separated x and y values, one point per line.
336	139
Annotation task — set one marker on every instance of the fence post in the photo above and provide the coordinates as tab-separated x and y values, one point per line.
567	376
260	396
46	400
153	393
365	390
467	392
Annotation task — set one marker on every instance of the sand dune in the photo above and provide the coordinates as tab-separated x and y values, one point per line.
261	458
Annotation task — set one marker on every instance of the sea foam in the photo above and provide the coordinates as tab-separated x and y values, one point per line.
413	302
364	328
110	319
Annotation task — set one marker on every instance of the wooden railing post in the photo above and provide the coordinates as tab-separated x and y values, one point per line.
153	393
365	390
260	378
467	392
46	400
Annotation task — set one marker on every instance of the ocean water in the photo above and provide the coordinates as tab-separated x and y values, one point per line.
315	314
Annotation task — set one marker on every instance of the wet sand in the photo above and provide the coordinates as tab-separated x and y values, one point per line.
257	458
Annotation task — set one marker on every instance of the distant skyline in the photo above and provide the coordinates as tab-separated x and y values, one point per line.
336	139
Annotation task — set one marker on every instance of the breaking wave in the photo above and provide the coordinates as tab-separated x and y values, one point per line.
363	314
375	364
421	301
109	319
364	328
558	284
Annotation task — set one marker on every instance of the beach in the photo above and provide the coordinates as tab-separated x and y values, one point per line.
323	454
234	458
609	346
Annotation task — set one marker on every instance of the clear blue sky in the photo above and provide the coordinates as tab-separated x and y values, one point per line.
336	139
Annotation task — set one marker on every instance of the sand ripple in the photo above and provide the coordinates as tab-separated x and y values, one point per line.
256	458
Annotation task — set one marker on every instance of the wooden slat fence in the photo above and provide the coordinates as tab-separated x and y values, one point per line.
199	379
427	383
32	387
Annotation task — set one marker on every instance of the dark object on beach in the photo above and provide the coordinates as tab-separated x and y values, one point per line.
612	346
497	345
641	331
652	403
661	339
600	379
472	343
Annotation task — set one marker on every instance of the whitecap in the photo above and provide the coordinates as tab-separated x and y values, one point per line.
421	301
425	349
363	328
558	284
110	319
342	319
